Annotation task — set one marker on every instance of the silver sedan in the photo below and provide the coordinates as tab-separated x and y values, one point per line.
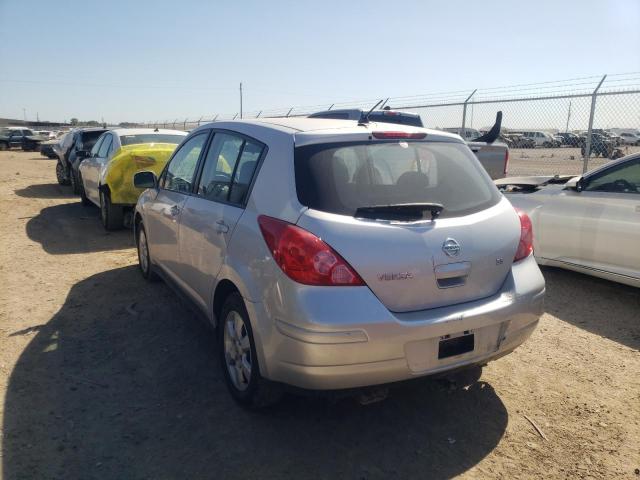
589	224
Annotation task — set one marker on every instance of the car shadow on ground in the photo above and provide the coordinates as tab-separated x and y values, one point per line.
577	298
74	228
123	382
46	190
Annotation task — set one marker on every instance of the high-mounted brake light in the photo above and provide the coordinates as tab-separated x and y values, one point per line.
305	258
394	135
390	113
525	245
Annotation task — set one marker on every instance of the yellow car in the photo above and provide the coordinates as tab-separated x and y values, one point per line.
106	173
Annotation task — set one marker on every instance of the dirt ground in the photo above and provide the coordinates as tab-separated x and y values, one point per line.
106	376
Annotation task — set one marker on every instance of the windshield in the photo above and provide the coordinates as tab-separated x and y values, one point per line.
151	138
343	177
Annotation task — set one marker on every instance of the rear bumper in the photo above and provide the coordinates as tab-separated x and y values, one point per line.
332	339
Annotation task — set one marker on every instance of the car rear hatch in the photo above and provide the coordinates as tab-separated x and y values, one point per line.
377	203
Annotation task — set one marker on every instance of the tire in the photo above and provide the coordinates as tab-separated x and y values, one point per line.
61	175
75	184
83	195
144	259
110	214
238	359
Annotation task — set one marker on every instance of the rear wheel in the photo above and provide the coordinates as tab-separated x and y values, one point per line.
110	214
75	184
61	175
238	357
83	195
144	259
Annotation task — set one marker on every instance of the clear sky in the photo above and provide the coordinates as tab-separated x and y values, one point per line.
142	60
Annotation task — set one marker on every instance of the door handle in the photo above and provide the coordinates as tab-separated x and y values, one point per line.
222	227
174	210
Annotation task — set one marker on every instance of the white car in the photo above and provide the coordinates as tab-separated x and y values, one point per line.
589	224
630	138
542	139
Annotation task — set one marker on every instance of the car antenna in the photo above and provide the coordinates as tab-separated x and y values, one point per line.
364	119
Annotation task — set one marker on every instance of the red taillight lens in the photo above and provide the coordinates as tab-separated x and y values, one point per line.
304	257
525	246
506	161
394	135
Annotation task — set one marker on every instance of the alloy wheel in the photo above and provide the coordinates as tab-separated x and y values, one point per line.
143	252
237	350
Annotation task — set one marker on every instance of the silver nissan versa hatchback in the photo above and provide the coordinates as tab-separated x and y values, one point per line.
333	254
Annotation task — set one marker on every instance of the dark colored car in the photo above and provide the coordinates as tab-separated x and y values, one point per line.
16	137
75	147
385	116
569	139
600	145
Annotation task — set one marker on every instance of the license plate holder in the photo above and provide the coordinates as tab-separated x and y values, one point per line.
453	346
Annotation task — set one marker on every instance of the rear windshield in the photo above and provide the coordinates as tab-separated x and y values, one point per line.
150	138
89	139
342	177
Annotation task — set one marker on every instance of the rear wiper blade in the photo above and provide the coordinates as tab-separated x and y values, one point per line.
401	211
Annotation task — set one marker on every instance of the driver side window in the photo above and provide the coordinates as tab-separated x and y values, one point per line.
181	170
624	178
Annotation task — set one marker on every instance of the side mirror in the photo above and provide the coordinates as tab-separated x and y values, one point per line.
145	180
576	183
83	153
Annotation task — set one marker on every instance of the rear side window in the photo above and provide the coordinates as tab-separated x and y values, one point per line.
229	167
340	178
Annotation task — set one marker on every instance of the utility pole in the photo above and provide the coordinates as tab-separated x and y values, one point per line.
24	114
568	116
240	99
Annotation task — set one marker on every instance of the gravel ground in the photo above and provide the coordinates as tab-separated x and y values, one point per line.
106	376
552	161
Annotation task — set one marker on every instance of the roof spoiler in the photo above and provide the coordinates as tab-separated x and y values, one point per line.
492	135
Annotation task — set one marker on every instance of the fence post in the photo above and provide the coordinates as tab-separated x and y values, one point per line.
199	120
587	143
463	132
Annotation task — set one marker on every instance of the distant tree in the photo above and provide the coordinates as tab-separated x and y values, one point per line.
74	121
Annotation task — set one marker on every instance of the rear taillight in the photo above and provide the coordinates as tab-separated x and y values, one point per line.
525	246
394	135
506	161
304	257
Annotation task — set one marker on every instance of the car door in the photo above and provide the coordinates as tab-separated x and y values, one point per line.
210	216
163	213
598	227
85	168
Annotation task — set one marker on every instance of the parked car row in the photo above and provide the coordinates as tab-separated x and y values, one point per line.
99	164
279	232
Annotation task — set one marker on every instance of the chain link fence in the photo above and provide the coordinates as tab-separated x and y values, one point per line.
556	127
